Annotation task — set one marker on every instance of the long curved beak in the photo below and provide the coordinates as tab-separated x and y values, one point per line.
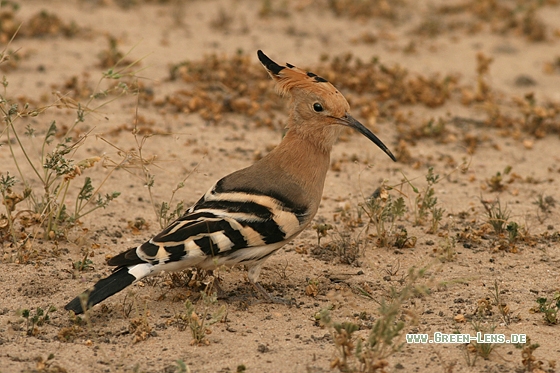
349	121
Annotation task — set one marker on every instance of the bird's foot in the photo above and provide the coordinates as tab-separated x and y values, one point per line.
215	287
269	298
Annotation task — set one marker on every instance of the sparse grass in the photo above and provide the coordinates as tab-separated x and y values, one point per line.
369	355
482	349
52	164
497	216
166	211
513	231
495	17
538	119
47	365
169	211
356	9
503	308
112	55
10	200
347	245
545	205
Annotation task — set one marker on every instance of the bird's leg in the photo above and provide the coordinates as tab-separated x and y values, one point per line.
269	298
253	274
214	287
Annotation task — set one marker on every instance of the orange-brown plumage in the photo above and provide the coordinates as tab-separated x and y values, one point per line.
249	214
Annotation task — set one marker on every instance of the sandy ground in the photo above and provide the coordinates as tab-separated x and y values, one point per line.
207	108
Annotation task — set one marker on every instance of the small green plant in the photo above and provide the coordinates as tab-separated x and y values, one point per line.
482	349
47	365
549	308
181	366
347	245
497	216
513	231
426	202
357	355
40	318
10	200
198	321
402	239
383	210
84	264
139	326
447	249
322	230
528	360
545	205
166	214
502	306
496	182
437	215
433	128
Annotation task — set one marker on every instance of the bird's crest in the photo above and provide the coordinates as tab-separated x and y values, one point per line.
290	77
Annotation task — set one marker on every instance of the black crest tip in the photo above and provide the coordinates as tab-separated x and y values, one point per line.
268	63
317	78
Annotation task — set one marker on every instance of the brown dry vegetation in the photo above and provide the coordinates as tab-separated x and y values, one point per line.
152	101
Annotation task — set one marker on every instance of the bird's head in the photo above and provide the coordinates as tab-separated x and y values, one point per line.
317	105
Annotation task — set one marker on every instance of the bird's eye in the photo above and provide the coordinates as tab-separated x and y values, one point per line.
317	107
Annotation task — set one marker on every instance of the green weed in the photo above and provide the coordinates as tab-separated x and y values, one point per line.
385	337
198	321
84	264
322	230
545	205
549	308
447	249
497	216
51	163
33	321
513	231
383	211
426	202
496	182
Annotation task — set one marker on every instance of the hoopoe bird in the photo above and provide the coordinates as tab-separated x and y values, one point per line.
250	214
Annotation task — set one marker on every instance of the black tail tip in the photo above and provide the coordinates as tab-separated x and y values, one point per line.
75	305
102	290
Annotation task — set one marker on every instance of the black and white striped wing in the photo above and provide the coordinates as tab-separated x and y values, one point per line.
222	223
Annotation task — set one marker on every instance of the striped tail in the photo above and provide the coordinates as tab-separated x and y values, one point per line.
111	285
